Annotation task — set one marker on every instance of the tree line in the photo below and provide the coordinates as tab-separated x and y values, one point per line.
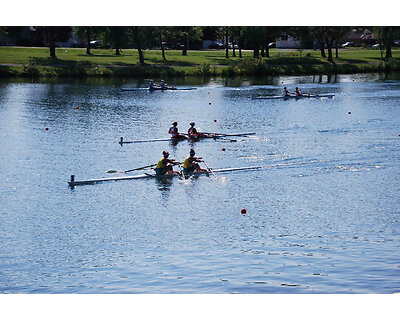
255	38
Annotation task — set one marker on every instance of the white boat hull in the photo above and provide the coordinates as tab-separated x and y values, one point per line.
74	182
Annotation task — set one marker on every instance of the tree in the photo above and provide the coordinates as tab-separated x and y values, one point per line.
188	33
52	34
339	34
329	40
162	36
117	37
270	35
225	34
384	36
318	33
237	37
136	33
254	37
86	33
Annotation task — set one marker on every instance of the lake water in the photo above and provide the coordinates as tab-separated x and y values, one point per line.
322	217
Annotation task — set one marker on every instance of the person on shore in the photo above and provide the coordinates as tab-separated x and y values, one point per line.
164	165
191	163
297	92
175	133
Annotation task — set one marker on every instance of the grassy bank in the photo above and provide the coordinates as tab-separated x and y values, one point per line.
35	62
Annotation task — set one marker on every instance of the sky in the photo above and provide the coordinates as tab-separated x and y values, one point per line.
200	13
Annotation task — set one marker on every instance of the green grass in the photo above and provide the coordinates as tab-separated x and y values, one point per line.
75	62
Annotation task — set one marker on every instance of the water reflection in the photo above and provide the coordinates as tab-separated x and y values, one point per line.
339	171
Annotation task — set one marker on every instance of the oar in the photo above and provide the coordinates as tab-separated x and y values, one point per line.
183	173
115	171
209	169
221	138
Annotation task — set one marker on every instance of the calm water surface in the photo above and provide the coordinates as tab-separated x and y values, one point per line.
323	217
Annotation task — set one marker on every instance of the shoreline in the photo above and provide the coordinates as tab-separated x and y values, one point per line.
35	63
142	72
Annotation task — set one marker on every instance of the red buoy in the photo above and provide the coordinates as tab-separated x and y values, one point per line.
209	103
215	120
47	129
223	149
243	211
349	112
77	108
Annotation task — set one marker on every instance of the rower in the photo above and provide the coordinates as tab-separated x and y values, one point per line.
297	92
193	133
174	132
151	85
286	92
164	165
163	85
190	164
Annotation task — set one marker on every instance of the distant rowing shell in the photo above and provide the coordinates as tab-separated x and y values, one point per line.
329	96
156	89
215	136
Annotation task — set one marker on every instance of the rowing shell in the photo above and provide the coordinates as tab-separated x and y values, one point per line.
155	89
329	96
213	136
74	182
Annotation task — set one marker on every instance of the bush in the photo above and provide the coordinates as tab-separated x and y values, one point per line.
31	69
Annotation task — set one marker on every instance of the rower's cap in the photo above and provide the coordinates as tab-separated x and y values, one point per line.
192	123
165	153
150	80
175	123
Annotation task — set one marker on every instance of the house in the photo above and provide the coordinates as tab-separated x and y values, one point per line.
286	42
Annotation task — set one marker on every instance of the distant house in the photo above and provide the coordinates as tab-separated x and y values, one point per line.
286	42
360	38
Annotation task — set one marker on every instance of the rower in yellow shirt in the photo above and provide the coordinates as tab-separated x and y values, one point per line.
191	163
164	165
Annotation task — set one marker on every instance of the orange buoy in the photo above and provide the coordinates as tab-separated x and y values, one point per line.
243	211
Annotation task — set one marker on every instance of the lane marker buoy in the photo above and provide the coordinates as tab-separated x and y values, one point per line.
243	211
